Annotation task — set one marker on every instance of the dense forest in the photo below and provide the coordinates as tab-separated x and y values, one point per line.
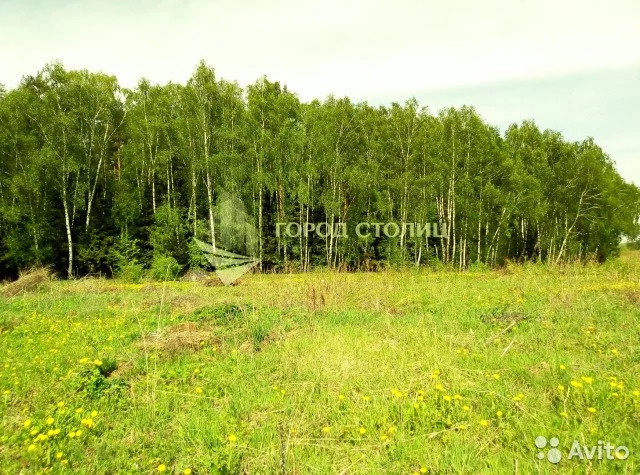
99	179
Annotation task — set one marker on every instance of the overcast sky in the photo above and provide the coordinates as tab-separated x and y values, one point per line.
573	66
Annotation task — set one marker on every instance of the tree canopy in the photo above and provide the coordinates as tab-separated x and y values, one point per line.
95	178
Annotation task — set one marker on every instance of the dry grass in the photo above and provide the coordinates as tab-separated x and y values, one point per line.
187	336
29	281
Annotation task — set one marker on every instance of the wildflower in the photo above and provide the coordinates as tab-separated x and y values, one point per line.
79	410
446	397
27	423
560	387
462	427
614	351
97	362
162	468
484	422
362	431
636	392
326	429
591	409
587	379
198	390
341	397
495	376
50	420
94	413
31	448
576	384
439	387
457	397
563	414
392	429
187	471
232	438
465	408
562	367
383	437
283	391
88	422
499	413
59	455
60	404
518	397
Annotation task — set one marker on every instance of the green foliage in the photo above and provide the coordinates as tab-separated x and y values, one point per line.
164	267
84	162
124	259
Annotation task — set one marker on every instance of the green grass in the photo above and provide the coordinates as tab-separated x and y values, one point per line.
324	372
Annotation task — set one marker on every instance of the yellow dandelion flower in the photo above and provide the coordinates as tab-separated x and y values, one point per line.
27	423
446	397
457	397
326	429
562	367
50	420
495	376
94	413
636	392
465	408
439	387
362	431
484	422
198	390
576	384
31	448
591	409
232	438
383	437
97	362
587	379
560	387
187	471
58	455
499	413
392	429
161	468
61	404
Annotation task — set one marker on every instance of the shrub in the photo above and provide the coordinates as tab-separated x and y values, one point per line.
164	267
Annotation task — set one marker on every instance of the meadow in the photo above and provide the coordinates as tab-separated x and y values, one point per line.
390	372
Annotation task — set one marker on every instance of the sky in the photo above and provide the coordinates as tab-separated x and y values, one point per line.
572	66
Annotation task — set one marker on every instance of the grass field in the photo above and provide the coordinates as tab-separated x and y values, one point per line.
393	372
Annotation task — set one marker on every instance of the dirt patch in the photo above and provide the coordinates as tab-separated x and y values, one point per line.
29	281
183	337
632	296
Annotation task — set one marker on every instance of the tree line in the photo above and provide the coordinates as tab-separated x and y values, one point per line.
96	178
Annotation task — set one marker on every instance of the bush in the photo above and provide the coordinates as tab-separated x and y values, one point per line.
124	259
132	272
164	267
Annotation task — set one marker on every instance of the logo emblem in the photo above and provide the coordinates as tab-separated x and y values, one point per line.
554	455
